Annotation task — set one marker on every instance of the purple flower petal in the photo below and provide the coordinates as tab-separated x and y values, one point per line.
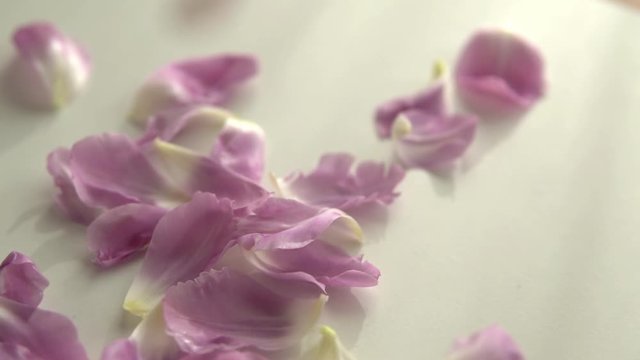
431	142
492	343
499	72
332	184
226	355
122	231
21	281
122	349
203	81
37	334
61	65
185	242
227	310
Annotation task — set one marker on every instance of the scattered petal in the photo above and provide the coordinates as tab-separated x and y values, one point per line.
332	184
38	334
61	65
227	310
499	72
492	343
327	347
122	231
21	281
203	81
185	242
432	142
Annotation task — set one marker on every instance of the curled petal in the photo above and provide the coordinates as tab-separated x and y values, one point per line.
122	231
431	142
499	72
492	343
21	281
327	347
61	65
185	242
332	184
227	310
38	334
203	81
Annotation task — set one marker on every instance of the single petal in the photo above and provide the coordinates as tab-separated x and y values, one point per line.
431	142
499	72
492	343
185	242
122	349
202	81
327	347
228	310
21	281
122	231
38	334
67	199
332	184
61	64
226	355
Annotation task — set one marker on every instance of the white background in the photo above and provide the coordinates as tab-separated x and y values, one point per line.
538	232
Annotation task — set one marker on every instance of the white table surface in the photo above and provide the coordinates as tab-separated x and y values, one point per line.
539	232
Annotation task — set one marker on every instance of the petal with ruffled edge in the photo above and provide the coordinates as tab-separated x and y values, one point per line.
61	66
498	72
185	242
332	184
37	333
202	81
122	231
326	347
21	281
228	310
492	343
432	142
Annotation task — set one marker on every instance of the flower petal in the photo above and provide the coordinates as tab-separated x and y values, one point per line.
431	142
327	347
499	72
492	343
122	231
61	65
122	349
332	184
227	310
203	81
185	242
21	281
226	355
38	334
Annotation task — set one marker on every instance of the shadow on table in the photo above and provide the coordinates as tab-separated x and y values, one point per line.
344	305
197	13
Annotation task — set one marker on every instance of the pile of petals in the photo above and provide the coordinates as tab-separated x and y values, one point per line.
497	74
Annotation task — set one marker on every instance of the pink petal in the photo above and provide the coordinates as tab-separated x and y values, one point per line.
202	81
21	281
492	343
61	65
38	334
185	242
333	184
227	310
226	355
123	349
433	141
122	231
499	72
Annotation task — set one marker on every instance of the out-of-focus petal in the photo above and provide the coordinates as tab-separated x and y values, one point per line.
21	281
60	64
185	242
238	145
431	142
203	81
499	72
226	355
492	343
122	349
333	184
38	334
122	231
327	347
228	310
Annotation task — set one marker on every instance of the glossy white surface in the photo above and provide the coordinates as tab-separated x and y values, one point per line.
538	233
